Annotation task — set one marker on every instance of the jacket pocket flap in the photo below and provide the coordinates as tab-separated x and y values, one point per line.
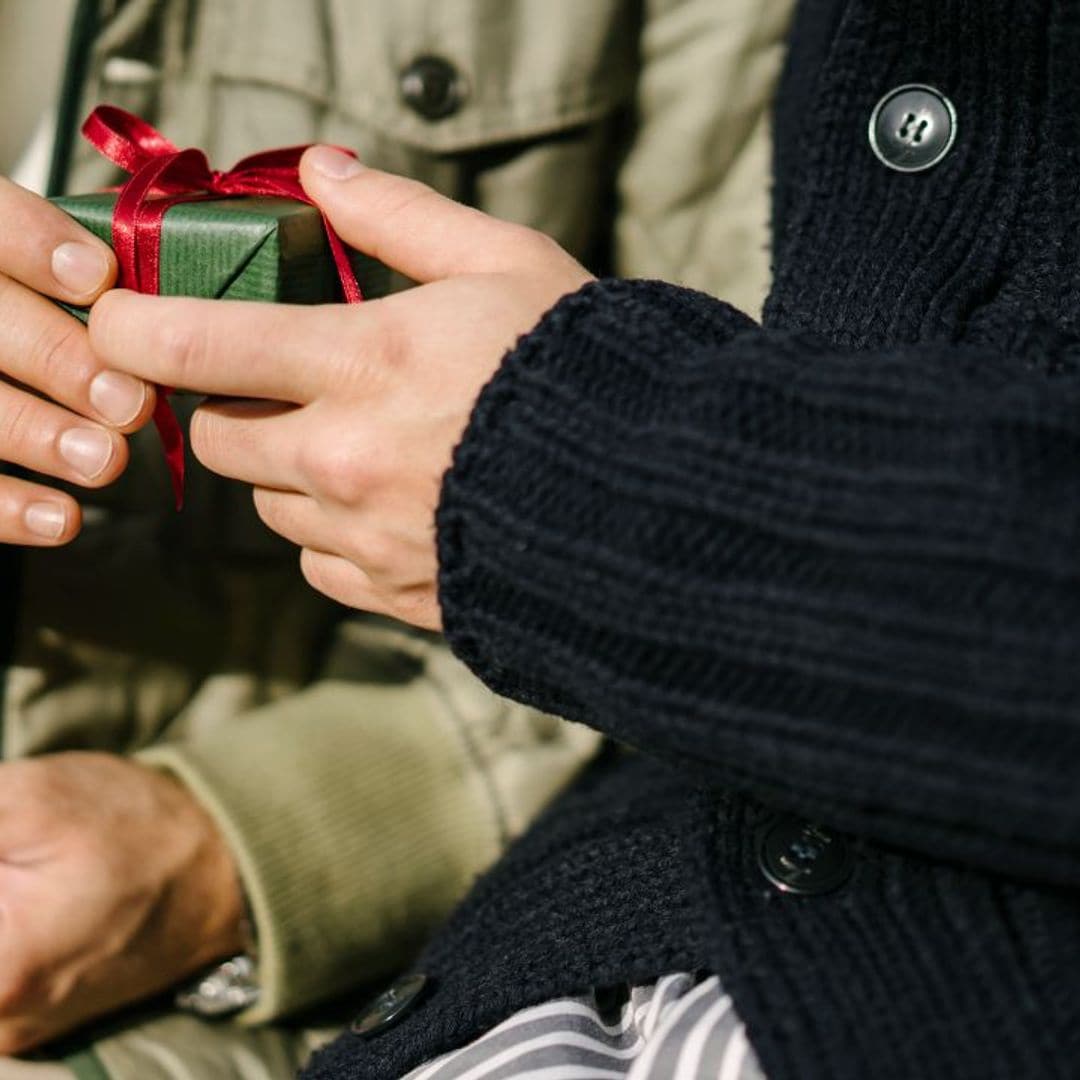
521	69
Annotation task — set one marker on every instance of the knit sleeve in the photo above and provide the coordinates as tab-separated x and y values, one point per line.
847	583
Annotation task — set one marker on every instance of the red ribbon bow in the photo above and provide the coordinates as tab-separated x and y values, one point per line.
163	175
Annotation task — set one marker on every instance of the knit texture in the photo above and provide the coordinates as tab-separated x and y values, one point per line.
829	565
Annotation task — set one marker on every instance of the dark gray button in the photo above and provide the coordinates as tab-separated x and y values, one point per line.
390	1006
432	87
912	128
799	857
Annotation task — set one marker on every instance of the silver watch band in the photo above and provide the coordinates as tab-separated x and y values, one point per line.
229	988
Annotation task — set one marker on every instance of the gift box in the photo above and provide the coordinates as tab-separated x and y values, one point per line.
181	228
252	248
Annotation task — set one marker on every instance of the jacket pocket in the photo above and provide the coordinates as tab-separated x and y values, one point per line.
522	68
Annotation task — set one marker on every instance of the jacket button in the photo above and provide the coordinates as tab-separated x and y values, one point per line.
390	1006
799	857
432	87
912	128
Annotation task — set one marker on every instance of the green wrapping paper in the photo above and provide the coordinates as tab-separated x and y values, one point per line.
240	249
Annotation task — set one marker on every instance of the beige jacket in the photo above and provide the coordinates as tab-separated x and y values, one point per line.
362	775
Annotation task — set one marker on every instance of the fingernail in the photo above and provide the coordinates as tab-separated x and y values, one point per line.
118	398
334	164
80	267
45	519
87	450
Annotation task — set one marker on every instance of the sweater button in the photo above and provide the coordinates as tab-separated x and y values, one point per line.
803	858
390	1006
912	128
432	87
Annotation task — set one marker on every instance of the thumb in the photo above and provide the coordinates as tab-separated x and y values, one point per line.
405	224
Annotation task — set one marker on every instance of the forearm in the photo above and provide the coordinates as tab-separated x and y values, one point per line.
847	583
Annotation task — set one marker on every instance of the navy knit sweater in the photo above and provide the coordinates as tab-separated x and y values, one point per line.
830	566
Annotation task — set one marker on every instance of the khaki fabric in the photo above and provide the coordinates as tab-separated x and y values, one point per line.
694	190
173	1046
362	776
33	54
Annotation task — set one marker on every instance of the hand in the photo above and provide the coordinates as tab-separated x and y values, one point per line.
361	406
114	885
43	253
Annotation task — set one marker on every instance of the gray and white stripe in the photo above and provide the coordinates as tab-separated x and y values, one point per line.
676	1029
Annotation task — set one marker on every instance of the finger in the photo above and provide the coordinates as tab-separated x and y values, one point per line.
230	347
342	580
346	583
389	561
44	347
296	517
407	225
47	439
32	515
49	251
257	442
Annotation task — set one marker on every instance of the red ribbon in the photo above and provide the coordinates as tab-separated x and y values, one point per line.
163	175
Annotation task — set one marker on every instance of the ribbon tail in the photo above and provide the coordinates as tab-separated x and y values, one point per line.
349	285
172	441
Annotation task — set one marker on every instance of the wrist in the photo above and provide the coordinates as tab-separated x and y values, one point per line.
203	886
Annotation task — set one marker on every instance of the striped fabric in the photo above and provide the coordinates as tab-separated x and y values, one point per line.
676	1029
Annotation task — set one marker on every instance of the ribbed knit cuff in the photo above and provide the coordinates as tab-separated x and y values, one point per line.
499	456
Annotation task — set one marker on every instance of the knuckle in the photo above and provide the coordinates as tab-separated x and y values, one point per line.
530	246
538	242
18	424
378	553
342	367
338	470
52	356
181	345
401	197
378	370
